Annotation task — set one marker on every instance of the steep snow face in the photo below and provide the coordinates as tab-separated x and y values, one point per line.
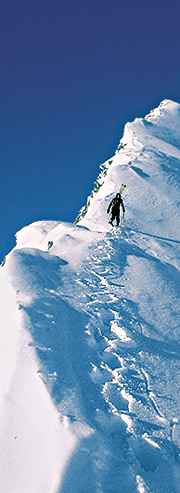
90	333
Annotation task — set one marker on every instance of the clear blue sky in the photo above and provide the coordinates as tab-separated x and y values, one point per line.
72	73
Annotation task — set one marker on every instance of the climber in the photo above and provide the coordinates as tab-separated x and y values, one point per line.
114	207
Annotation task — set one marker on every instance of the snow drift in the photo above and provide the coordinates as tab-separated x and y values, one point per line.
90	333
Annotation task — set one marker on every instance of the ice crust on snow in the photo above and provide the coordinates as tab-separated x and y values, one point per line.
90	333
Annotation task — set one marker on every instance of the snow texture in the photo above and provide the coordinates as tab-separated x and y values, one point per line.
90	333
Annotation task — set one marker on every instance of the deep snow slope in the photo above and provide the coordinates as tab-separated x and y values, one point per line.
90	333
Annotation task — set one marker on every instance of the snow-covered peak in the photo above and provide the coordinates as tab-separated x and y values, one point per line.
168	110
147	161
90	333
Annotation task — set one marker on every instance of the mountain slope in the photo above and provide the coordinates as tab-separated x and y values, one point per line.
90	333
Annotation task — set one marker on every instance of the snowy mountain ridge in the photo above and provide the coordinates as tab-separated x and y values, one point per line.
143	144
90	333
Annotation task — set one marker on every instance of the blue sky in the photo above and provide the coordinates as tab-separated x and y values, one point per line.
73	72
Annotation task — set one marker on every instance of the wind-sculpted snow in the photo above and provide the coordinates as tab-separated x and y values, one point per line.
92	403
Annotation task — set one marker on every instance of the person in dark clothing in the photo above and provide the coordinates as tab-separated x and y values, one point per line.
114	207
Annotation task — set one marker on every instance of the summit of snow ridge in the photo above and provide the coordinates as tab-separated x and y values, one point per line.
165	122
166	109
162	122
